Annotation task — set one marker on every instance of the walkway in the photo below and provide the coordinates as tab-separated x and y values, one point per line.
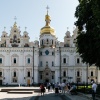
47	96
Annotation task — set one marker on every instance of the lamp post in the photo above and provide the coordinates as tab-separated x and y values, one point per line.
87	76
33	65
60	63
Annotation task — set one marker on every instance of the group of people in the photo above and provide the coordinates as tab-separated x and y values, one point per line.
58	88
62	88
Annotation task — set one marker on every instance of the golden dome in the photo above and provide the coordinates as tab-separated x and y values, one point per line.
47	29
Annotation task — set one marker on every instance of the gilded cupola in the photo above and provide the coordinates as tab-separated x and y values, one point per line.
47	29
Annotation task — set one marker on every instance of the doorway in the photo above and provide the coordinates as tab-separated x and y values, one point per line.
28	82
47	80
64	80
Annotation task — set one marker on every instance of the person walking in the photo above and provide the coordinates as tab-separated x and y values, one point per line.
42	89
53	86
56	88
63	87
94	87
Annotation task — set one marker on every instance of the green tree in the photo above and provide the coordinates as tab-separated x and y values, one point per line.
88	23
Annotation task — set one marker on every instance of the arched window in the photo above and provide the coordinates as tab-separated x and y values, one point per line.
14	60
42	42
91	73
52	63
52	41
47	40
14	74
78	73
28	73
28	60
64	60
64	74
78	60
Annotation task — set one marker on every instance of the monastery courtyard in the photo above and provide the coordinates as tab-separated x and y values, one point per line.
25	95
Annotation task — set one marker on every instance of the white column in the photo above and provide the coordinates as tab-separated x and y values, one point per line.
35	75
56	76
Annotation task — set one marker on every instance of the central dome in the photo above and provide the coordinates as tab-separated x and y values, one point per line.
47	29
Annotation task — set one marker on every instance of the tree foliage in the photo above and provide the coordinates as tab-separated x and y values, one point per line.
88	23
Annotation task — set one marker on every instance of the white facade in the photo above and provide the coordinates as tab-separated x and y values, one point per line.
47	60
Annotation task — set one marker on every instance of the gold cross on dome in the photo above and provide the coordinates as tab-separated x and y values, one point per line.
15	18
47	8
25	28
67	28
4	28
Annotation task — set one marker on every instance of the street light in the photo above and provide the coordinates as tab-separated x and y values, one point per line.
33	66
60	63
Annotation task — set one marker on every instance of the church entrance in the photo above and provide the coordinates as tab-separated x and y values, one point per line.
46	80
0	82
28	82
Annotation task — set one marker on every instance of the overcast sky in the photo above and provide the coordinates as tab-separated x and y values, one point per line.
31	14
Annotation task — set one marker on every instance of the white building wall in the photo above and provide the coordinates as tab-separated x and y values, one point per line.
98	76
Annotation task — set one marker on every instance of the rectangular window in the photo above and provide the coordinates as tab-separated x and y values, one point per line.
64	60
14	60
28	60
0	60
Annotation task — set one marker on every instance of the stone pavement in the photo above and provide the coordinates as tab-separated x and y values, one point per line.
48	96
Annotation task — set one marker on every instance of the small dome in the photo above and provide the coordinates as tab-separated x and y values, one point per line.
67	34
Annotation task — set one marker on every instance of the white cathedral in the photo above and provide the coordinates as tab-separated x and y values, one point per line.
46	60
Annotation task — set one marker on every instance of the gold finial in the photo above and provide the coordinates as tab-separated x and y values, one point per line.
15	18
25	28
67	28
47	9
47	18
15	22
